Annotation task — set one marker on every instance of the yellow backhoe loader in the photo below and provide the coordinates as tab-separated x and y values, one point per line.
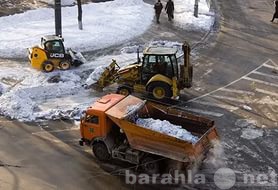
159	74
51	54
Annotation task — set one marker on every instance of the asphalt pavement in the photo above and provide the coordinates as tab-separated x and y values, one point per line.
235	83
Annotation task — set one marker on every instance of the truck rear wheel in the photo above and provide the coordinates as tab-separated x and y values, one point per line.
101	152
159	90
64	65
150	165
47	66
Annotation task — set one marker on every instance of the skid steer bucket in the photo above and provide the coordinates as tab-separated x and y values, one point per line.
77	57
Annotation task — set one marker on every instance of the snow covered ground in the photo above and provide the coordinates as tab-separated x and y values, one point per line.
184	15
27	94
105	24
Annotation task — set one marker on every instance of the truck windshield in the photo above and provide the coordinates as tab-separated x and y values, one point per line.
92	119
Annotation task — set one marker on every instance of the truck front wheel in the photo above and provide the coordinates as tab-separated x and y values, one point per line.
101	152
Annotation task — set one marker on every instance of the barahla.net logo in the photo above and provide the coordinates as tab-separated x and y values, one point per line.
223	178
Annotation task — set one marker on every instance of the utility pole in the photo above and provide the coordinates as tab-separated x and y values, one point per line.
79	5
58	18
196	8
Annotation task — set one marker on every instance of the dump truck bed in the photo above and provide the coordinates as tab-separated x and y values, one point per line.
126	112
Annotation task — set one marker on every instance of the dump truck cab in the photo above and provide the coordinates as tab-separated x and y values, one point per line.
95	125
51	54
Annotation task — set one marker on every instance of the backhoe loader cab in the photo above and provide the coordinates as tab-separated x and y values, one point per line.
51	54
159	74
158	60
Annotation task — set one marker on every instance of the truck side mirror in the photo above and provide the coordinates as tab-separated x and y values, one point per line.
83	116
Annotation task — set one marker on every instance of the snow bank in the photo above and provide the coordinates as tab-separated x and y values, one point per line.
167	128
185	19
20	101
105	24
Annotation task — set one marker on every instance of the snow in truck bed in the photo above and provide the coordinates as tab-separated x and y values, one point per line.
167	128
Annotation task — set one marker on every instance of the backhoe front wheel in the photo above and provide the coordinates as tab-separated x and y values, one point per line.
64	65
124	90
159	90
101	152
47	66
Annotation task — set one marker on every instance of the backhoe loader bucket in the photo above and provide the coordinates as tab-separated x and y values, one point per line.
109	75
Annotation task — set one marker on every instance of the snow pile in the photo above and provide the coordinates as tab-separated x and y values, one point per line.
185	19
105	24
17	105
131	113
167	128
95	75
21	100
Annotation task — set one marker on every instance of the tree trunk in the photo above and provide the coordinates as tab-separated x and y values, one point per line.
79	5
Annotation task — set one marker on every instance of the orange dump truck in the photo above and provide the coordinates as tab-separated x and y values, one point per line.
110	127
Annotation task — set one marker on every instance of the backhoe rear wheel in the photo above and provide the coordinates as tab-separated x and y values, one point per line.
101	152
64	65
159	90
47	66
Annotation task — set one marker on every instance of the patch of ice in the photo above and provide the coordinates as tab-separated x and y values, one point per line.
245	122
167	128
247	108
250	133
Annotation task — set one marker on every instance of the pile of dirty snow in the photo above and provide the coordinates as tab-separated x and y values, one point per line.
20	98
167	128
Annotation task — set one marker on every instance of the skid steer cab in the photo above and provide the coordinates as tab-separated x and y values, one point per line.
51	54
